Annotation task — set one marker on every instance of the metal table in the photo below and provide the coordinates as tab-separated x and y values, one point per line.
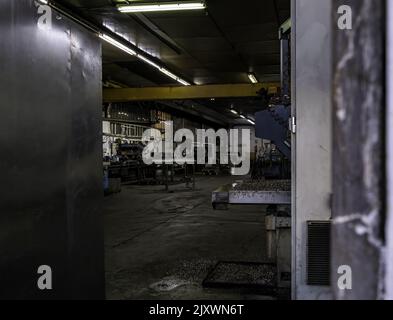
267	192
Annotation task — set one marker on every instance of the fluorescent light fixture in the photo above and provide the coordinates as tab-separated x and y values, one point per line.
43	1
164	6
250	121
234	111
163	70
148	61
252	78
143	58
117	44
243	117
168	73
174	77
183	82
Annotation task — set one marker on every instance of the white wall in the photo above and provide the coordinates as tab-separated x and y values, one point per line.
311	63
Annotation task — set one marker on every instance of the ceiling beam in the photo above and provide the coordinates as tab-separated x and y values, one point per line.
199	111
187	92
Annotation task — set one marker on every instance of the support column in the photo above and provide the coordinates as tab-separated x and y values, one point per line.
311	146
358	148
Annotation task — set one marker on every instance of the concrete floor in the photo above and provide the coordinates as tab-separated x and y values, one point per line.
161	245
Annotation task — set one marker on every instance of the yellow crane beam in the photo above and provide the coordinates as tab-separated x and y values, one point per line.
187	92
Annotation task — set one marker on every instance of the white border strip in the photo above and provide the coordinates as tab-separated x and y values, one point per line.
389	153
294	268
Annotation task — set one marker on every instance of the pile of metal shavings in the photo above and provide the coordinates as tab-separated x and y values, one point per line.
263	185
242	274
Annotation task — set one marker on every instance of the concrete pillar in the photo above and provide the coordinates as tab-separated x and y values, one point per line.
311	96
389	128
359	149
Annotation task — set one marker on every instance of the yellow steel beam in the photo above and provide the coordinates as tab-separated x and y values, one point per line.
187	92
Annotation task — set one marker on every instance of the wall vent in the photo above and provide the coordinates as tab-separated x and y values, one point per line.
318	253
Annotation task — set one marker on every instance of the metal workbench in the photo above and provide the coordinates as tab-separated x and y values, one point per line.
263	192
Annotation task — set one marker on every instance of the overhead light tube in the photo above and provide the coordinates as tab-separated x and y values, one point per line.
168	73
164	6
174	77
148	61
252	78
117	44
131	52
183	82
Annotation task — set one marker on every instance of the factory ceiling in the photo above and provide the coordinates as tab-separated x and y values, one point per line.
218	45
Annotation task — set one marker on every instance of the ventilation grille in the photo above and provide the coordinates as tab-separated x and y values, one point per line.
318	253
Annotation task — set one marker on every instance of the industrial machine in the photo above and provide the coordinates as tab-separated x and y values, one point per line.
269	184
275	197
